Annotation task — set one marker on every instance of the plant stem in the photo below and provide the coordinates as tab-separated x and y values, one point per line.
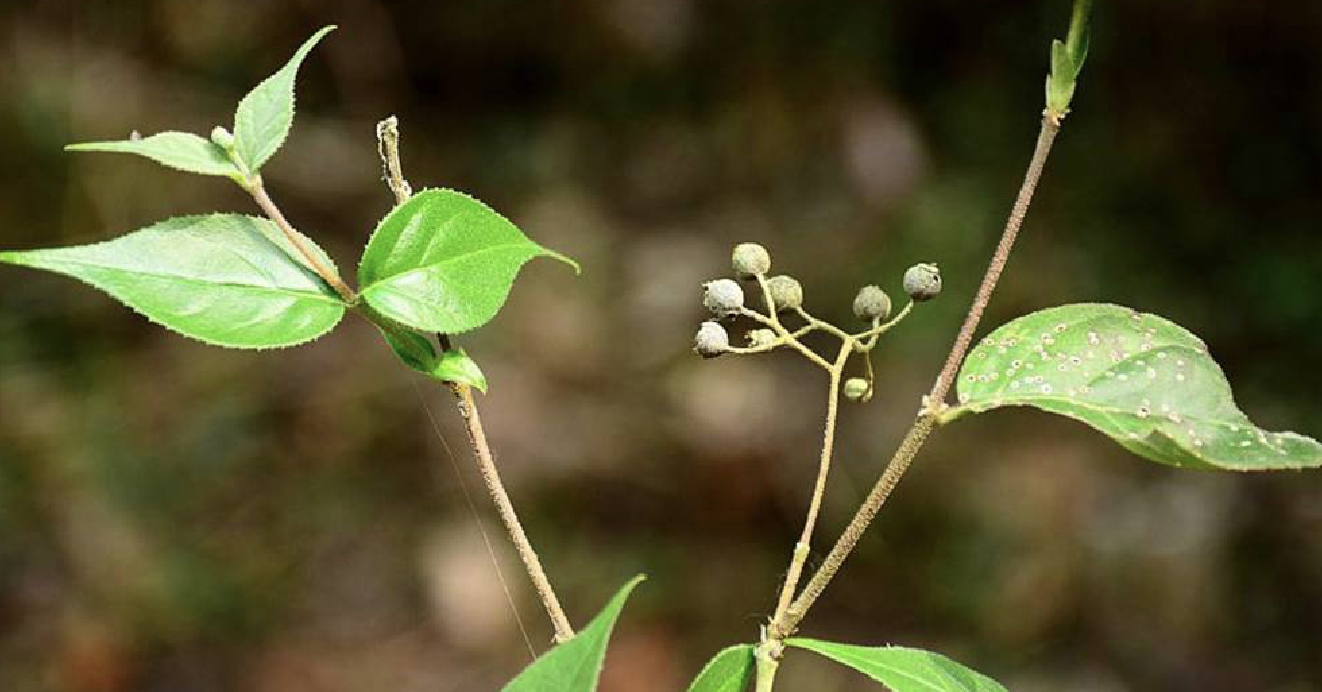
767	657
927	419
387	142
258	192
801	549
478	439
387	136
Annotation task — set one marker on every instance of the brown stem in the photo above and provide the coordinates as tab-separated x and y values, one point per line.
387	137
258	192
478	439
927	419
1045	138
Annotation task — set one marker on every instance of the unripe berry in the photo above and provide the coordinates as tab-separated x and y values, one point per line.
760	338
750	260
922	282
857	389
786	293
723	297
711	340
872	303
222	138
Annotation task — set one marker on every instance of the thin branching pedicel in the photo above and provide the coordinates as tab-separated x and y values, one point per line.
782	297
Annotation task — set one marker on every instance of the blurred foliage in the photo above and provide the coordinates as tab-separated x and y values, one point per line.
175	517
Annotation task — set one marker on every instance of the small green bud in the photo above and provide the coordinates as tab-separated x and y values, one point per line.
761	338
786	293
872	303
750	260
711	340
857	389
723	297
922	282
222	138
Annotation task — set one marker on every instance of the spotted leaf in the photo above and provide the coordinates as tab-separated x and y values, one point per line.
1142	380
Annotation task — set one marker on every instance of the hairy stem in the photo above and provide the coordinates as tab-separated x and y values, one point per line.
767	657
487	464
387	142
258	192
801	549
927	419
387	137
1045	138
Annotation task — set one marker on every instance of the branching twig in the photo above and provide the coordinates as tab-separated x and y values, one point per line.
934	402
258	192
387	133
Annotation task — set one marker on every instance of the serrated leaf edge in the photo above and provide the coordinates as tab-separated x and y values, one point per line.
15	257
538	251
102	146
1154	432
296	62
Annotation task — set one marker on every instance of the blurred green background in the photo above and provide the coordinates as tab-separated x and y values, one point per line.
180	518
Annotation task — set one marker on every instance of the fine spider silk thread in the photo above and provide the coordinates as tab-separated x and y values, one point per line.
477	519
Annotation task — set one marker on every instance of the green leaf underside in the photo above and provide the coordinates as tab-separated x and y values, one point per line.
903	669
728	671
575	665
180	150
412	348
224	279
266	113
1142	380
444	262
456	366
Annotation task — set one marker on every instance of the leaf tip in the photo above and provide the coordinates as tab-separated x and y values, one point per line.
578	270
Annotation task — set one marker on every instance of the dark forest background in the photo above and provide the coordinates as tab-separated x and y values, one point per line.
186	519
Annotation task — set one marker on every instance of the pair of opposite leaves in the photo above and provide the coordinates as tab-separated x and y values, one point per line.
441	262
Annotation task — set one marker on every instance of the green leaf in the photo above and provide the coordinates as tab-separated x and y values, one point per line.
225	279
444	262
902	669
265	115
180	150
414	349
1143	380
728	671
575	665
1067	58
456	366
417	352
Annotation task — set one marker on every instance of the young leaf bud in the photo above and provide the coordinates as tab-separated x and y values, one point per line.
711	340
723	297
857	389
922	282
761	338
222	138
786	293
750	260
872	303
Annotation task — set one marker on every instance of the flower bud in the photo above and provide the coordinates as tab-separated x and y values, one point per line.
761	338
711	340
723	297
750	260
922	282
857	389
222	138
872	303
786	293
